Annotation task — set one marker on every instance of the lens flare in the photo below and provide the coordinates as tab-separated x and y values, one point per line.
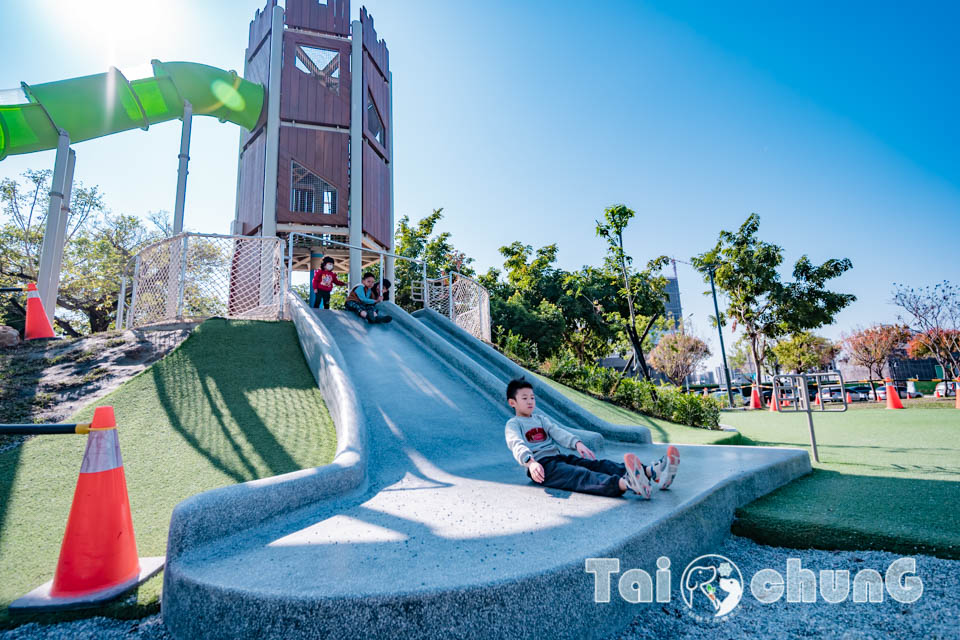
228	95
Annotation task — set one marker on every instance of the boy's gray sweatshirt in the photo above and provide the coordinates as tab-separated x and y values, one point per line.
536	437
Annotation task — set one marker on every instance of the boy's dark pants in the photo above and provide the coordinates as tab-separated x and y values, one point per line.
357	307
573	473
322	296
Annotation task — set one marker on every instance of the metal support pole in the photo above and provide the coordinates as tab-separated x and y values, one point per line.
120	302
426	291
391	263
723	351
47	282
184	160
183	276
450	296
290	259
268	225
356	152
64	221
132	315
813	437
381	274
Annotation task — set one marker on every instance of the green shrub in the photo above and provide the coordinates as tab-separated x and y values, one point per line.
660	401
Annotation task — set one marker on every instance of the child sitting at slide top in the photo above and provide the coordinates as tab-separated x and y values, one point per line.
363	301
323	281
534	441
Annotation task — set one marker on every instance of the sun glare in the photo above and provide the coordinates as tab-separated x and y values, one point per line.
123	32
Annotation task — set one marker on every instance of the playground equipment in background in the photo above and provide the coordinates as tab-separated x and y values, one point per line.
56	114
792	392
98	557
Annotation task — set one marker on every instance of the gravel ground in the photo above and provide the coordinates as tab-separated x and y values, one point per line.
935	615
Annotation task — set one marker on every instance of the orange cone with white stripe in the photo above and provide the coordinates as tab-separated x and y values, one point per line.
774	406
37	325
893	397
98	556
817	401
755	402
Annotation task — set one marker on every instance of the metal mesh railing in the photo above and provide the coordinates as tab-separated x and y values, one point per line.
467	303
192	276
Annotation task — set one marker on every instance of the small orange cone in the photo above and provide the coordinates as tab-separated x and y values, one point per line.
956	392
936	393
893	398
849	398
37	325
755	402
817	400
774	406
98	556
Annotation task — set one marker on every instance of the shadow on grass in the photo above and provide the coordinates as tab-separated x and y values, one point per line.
832	510
223	385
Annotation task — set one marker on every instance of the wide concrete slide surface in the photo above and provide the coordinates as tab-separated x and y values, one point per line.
448	537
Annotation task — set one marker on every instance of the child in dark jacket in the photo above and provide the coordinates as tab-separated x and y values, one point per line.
323	281
363	300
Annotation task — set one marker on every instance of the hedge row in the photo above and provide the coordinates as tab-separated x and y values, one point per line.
660	401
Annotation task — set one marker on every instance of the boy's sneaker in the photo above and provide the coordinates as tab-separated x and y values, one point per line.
636	479
664	470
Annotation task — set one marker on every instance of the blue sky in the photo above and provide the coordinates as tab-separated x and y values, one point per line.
836	122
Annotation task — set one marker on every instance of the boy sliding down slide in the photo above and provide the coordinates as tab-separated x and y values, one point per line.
363	301
534	441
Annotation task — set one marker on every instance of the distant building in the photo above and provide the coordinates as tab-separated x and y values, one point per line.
673	308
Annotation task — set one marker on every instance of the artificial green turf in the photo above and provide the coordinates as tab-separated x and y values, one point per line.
886	480
234	402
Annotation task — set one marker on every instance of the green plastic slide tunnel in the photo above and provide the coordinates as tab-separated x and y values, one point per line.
107	103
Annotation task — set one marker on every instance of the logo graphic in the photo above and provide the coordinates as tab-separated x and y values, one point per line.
711	586
537	434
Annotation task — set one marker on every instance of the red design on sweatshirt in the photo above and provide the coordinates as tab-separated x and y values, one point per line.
537	434
324	280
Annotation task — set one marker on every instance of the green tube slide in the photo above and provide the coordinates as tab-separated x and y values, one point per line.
107	103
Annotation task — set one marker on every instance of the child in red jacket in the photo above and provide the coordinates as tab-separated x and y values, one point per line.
323	281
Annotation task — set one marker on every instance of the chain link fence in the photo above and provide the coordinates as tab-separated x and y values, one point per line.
193	276
467	303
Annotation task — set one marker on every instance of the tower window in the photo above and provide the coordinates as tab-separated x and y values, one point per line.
374	123
309	193
323	64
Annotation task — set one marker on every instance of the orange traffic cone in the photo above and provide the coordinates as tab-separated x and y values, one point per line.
956	392
37	326
773	404
936	393
849	398
98	556
893	398
755	402
817	400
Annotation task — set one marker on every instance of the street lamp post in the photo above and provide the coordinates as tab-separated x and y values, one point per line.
723	351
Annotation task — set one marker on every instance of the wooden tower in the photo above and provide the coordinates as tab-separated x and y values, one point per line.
323	150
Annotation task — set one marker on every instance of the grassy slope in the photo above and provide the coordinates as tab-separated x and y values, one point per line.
887	479
234	402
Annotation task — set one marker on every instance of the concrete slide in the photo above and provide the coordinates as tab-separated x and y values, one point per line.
424	526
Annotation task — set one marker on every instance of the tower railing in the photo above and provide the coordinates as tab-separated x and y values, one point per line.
192	276
461	298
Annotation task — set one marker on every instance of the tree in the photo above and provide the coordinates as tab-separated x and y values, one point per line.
97	245
804	352
746	271
873	346
678	355
641	293
418	242
934	315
